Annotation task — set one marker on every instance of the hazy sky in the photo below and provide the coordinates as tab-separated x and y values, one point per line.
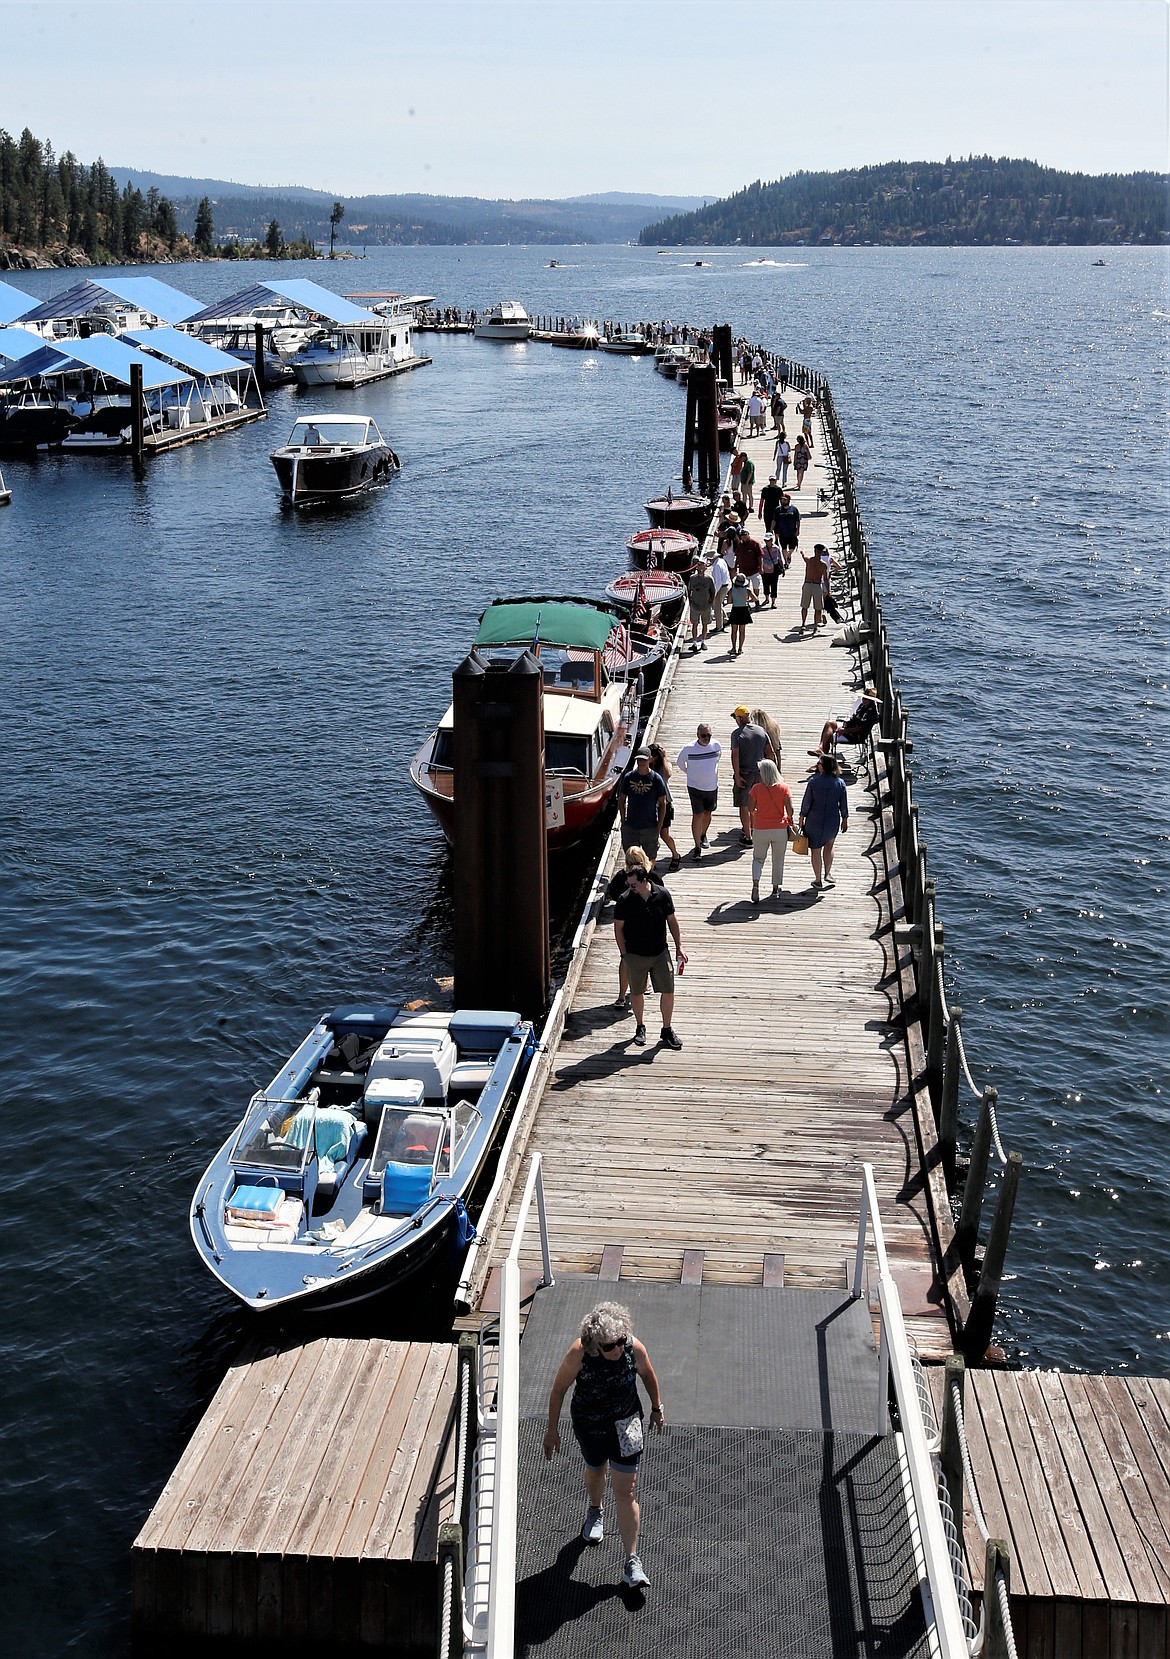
537	99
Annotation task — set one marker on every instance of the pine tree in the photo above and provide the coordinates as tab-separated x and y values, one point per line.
204	227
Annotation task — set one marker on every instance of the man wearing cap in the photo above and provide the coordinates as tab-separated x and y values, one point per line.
750	744
640	920
748	562
769	501
699	764
642	802
701	593
786	527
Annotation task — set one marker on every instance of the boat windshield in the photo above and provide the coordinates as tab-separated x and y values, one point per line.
412	1136
311	434
267	1139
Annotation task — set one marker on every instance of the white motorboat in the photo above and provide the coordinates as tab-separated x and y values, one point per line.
326	457
625	345
506	321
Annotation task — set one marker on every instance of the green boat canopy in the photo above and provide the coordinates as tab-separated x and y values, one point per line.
519	622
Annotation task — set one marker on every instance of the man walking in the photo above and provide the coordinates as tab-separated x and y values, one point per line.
816	575
748	562
642	802
750	744
699	764
786	527
701	593
770	497
641	918
721	577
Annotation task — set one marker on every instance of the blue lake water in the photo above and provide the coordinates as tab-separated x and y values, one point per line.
207	834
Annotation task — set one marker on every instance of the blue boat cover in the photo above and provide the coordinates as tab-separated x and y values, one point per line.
310	296
144	293
105	354
13	303
187	352
18	343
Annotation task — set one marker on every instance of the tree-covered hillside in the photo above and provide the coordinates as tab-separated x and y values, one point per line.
50	202
973	202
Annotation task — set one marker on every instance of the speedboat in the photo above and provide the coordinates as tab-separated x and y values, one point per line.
689	512
592	698
627	345
580	337
506	321
656	589
326	457
354	1166
663	549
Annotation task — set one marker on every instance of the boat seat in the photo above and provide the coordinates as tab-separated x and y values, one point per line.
337	1135
470	1077
576	673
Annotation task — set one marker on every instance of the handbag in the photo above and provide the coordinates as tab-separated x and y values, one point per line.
629	1434
800	842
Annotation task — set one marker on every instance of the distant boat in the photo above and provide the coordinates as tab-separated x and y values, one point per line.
327	457
506	321
554	264
1098	262
627	345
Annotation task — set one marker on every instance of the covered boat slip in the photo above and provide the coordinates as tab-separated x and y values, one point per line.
742	1154
14	303
104	305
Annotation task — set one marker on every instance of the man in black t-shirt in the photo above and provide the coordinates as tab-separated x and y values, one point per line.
641	918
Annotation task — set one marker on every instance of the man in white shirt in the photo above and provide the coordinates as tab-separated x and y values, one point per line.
699	764
721	576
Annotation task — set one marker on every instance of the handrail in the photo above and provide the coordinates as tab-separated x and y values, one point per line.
939	1594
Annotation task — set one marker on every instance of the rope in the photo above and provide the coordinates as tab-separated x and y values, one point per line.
448	1598
964	1453
1006	1615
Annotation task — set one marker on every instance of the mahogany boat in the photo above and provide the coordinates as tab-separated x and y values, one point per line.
689	512
660	588
663	549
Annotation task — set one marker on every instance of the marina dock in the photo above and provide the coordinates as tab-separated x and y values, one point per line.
772	1203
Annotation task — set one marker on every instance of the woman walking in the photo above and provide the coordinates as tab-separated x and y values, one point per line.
747	481
800	460
824	814
741	613
771	810
660	764
602	1368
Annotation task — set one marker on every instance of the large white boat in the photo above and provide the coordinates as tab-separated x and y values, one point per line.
506	321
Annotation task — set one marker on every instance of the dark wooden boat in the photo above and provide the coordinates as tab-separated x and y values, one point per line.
681	512
663	549
660	588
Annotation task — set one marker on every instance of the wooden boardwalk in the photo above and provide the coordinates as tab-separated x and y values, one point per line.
308	1501
794	1067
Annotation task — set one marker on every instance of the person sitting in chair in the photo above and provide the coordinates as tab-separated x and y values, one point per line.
856	728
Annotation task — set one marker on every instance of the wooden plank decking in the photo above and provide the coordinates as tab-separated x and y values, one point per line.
308	1501
794	1066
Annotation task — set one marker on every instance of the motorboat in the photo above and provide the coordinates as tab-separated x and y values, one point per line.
656	589
5	493
689	511
326	457
626	345
592	699
580	337
663	549
353	1168
352	354
506	321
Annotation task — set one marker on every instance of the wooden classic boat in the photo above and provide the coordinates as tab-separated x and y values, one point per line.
658	589
353	1167
663	549
328	457
690	512
592	700
506	321
580	337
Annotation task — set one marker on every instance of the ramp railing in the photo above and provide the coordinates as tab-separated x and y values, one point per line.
949	1633
490	1597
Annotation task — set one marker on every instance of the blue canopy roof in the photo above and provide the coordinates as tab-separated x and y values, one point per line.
14	303
17	344
188	352
312	297
108	356
143	293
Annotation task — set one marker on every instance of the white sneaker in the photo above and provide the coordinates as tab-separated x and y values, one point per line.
634	1576
594	1529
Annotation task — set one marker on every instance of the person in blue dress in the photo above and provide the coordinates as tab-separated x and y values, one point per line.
824	814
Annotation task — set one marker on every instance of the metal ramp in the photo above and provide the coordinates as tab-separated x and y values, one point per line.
774	1519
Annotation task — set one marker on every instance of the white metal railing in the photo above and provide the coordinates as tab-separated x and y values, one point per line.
491	1578
940	1597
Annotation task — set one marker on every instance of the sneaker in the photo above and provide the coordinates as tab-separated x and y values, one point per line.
634	1577
670	1037
706	842
697	854
640	1036
775	892
702	645
745	840
622	1004
594	1529
755	892
674	863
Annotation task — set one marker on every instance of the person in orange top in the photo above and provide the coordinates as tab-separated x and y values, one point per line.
771	811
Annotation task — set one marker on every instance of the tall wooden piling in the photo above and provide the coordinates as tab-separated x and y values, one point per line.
258	358
721	352
977	1331
703	378
967	1231
502	957
137	413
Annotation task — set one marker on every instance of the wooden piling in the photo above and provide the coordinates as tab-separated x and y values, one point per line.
936	1036
137	413
967	1232
721	352
996	1642
258	358
950	1453
948	1111
502	957
977	1332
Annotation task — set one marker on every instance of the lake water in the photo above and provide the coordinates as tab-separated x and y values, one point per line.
207	834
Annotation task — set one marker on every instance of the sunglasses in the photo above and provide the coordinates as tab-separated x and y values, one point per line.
612	1347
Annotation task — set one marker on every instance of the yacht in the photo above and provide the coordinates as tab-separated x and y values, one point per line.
326	457
506	321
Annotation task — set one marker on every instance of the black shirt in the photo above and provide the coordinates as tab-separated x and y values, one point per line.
645	920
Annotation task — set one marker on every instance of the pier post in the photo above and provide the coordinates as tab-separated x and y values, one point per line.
950	1454
502	957
925	955
721	352
688	466
977	1331
936	1035
702	378
948	1112
997	1563
137	413
258	358
967	1232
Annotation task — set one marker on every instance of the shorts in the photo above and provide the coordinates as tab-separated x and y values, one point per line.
812	593
599	1446
659	970
701	613
741	792
647	839
754	581
703	800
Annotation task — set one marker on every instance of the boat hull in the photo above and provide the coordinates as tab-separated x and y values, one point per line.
583	809
306	477
685	512
502	331
673	549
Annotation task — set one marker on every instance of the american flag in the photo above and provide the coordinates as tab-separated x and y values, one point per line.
640	613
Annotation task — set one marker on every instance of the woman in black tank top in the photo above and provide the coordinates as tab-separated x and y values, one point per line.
602	1368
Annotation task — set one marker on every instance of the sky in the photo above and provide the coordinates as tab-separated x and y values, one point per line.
541	99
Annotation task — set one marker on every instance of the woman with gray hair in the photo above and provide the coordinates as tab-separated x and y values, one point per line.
602	1368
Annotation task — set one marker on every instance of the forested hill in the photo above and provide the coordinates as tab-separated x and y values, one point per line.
978	201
